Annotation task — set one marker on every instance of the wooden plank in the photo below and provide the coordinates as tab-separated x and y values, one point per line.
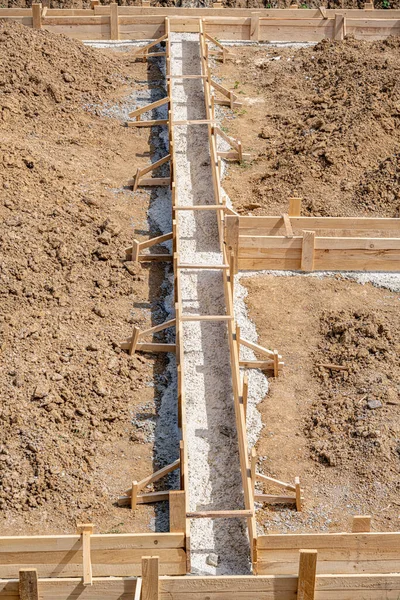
287	225
177	511
250	225
308	251
295	206
157	328
155	347
154	123
134	340
232	236
28	584
220	514
37	15
245	394
143	109
155	257
150	578
156	240
278	482
255	27
274	499
257	348
155	166
339	27
346	541
134	494
86	531
157	475
114	24
298	494
361	524
307	575
260	364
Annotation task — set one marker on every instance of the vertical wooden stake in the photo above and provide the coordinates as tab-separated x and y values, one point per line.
114	23
339	27
231	99
28	584
232	236
136	182
177	511
307	575
294	207
240	151
86	531
232	273
213	106
182	464
361	524
134	340
308	251
134	495
298	493
150	583
245	394
238	339
253	465
37	15
255	27
135	251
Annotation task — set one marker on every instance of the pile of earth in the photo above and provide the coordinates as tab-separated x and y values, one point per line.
67	391
352	422
331	128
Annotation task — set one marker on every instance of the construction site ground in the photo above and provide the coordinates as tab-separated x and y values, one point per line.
77	415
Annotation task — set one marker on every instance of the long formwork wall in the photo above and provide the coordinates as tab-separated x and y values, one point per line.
135	23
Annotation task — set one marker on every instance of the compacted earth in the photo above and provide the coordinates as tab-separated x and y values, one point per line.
77	415
321	122
337	428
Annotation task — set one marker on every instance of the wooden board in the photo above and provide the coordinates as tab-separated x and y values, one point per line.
264	226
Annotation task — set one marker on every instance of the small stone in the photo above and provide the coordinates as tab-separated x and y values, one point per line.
68	78
92	347
373	403
212	559
100	388
57	377
40	392
100	312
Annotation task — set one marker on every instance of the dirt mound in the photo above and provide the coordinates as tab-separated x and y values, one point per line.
68	394
41	71
350	421
331	116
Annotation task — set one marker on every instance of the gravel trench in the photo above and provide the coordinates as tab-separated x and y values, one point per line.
221	545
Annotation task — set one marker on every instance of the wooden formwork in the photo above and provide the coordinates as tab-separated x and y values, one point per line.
290	242
127	22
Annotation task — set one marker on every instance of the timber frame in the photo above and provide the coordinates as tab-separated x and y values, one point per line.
320	566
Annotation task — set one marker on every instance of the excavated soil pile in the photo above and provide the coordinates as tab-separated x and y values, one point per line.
350	422
67	392
327	120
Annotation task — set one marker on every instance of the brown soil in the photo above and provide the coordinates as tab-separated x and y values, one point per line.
71	401
321	122
338	430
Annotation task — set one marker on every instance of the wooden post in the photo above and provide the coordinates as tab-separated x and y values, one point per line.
37	15
232	273
298	493
307	575
339	27
94	3
28	584
177	511
86	531
308	251
114	23
294	207
134	495
255	27
369	6
232	236
134	340
276	363
150	583
245	394
253	465
135	251
182	464
361	524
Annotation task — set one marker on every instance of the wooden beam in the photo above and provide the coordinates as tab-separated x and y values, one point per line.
232	236
253	466
28	584
258	348
274	499
134	340
157	328
308	251
114	23
155	347
86	531
298	494
138	589
339	27
361	524
134	495
288	225
177	511
150	578
255	27
220	514
37	15
139	111
267	479
295	206
307	575
245	394
155	123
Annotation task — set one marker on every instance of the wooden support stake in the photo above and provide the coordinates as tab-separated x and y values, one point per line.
182	464
298	493
138	589
28	584
134	495
253	465
255	27
177	511
86	531
114	23
37	15
339	28
150	578
134	340
232	236
232	273
220	514
288	225
295	207
307	575
245	394
136	180
308	251
361	524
